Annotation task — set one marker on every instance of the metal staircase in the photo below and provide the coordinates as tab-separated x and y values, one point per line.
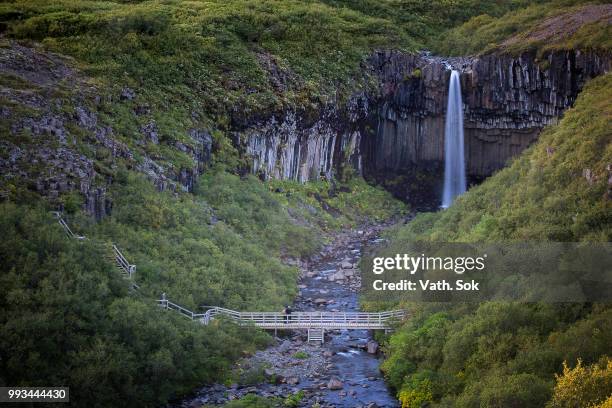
114	255
66	228
122	264
316	335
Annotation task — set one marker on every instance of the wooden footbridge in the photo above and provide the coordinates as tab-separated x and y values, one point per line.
316	322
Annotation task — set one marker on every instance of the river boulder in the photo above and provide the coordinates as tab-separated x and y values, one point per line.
372	347
335	384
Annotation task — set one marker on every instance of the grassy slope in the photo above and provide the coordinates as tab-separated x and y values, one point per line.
501	355
67	318
486	33
191	64
209	52
209	247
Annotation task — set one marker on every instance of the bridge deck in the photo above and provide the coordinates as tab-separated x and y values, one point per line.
297	320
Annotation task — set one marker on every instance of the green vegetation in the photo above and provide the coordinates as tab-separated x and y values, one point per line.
416	393
294	400
214	54
254	401
526	29
180	249
246	377
507	354
208	57
584	386
67	318
344	204
301	355
206	248
424	20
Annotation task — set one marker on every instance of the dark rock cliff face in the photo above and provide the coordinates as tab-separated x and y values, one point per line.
290	147
392	134
507	101
397	136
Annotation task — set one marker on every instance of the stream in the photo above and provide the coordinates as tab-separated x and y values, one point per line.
344	371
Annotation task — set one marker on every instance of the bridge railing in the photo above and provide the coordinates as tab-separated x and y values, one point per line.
315	318
295	319
166	304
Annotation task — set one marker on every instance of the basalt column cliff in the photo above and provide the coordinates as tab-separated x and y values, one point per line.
397	136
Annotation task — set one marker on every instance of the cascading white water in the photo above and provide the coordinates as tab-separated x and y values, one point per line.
454	160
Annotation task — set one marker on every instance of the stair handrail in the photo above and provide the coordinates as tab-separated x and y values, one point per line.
66	228
123	262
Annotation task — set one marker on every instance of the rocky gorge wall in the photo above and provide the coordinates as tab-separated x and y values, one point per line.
507	101
398	133
286	146
392	134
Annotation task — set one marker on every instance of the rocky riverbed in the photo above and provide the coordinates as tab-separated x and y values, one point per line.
342	372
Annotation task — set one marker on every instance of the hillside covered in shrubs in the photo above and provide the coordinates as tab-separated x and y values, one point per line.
507	354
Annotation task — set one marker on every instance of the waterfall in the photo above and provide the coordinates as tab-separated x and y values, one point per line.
454	160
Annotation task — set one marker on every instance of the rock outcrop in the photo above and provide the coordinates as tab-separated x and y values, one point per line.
55	146
397	131
287	146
